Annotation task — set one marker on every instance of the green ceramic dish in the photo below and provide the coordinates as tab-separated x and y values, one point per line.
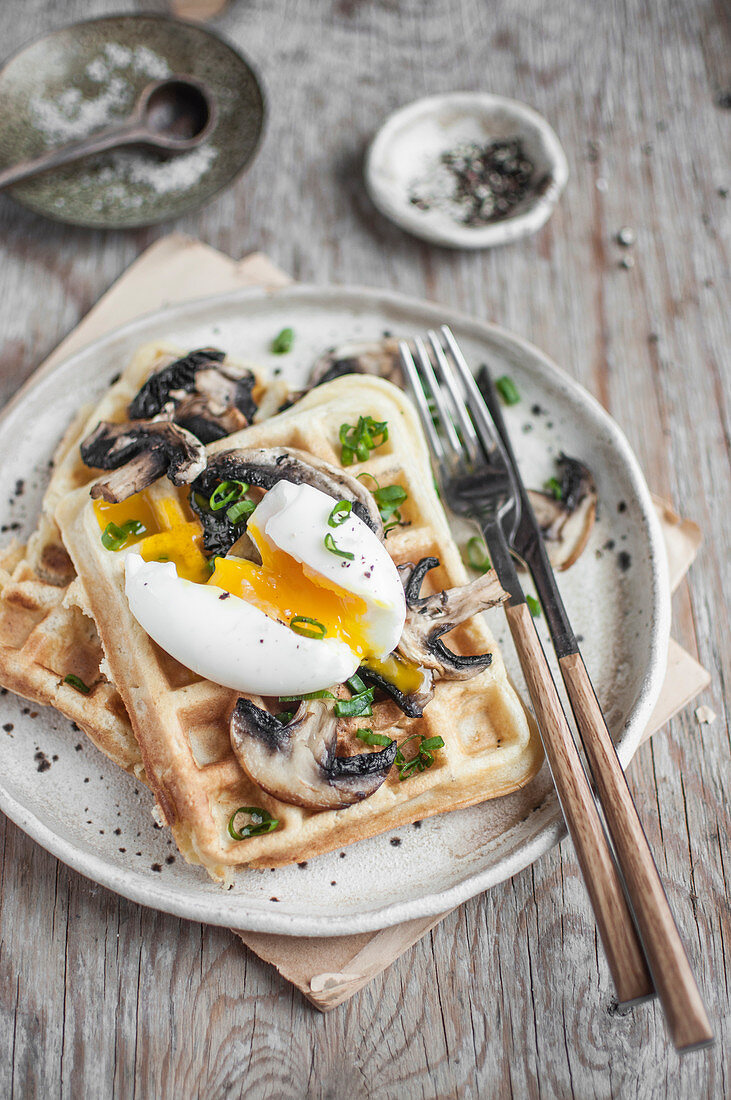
77	79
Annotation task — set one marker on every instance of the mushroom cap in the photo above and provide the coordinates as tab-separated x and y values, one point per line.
297	762
429	617
141	451
263	467
566	522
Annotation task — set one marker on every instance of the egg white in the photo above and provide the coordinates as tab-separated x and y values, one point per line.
227	640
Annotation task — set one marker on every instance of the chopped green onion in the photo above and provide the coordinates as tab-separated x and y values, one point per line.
212	564
554	486
372	738
285	716
261	822
299	698
77	683
423	759
226	493
358	441
330	545
355	684
114	537
477	554
364	473
308	628
340	513
282	342
388	499
359	705
237	511
533	606
508	390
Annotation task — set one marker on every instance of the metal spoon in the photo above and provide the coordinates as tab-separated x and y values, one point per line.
172	115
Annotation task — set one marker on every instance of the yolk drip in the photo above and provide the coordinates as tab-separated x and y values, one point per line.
282	588
407	678
171	532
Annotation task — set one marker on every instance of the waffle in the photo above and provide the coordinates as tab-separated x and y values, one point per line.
46	630
181	720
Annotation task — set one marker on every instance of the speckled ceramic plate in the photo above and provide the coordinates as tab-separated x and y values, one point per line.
75	80
98	820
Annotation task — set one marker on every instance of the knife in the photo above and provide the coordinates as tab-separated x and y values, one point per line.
669	966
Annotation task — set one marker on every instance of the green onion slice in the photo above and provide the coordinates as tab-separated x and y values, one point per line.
77	683
261	822
285	716
299	698
361	705
423	759
282	342
554	487
477	554
308	628
226	493
340	513
355	684
114	537
533	606
237	511
357	441
372	738
330	545
508	390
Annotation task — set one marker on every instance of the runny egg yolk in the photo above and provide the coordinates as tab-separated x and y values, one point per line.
282	588
171	531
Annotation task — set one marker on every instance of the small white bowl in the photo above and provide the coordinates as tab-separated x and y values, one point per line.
412	140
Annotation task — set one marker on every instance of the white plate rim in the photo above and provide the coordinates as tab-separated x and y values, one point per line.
136	887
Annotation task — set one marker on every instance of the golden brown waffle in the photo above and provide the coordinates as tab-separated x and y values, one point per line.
181	720
43	640
44	633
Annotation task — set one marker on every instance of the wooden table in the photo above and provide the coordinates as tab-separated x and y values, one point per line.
509	995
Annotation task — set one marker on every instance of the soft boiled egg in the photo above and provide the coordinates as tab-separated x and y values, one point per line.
326	598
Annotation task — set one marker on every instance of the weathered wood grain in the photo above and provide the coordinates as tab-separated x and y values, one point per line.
509	995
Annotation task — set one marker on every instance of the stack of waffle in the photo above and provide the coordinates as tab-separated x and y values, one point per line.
154	717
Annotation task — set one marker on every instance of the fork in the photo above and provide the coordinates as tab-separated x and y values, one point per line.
478	481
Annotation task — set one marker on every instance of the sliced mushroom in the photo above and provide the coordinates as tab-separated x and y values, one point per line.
413	703
566	523
141	451
296	763
263	468
429	617
379	357
208	397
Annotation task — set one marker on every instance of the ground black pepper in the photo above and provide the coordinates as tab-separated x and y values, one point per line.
477	184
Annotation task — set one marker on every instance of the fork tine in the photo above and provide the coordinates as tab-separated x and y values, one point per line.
422	404
484	426
437	396
446	375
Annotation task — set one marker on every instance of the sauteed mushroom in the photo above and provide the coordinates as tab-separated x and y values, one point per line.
566	521
208	397
263	467
379	357
429	617
411	704
141	451
297	763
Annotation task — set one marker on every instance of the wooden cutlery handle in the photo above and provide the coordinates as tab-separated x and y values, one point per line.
676	987
624	954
